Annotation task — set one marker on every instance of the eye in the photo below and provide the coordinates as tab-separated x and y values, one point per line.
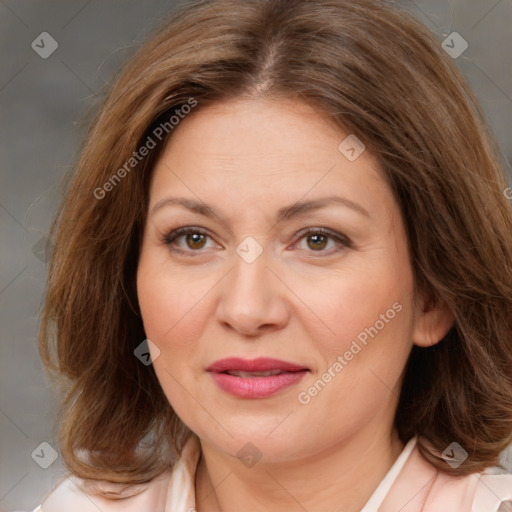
192	239
317	239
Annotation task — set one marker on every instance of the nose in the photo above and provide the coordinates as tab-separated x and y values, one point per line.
252	299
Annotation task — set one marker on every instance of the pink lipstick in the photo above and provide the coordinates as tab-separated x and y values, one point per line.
255	378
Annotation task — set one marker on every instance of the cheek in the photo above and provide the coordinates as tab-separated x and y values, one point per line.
174	313
173	305
360	304
361	364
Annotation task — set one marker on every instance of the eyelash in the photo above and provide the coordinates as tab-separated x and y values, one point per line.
168	240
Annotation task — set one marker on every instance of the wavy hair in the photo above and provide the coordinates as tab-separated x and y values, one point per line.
377	73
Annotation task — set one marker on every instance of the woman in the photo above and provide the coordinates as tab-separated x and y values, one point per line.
281	278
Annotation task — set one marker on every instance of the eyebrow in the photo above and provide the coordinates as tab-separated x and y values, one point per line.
286	213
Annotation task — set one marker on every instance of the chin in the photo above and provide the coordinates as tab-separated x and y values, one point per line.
264	439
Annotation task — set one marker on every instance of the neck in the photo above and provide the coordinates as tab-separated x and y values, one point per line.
342	478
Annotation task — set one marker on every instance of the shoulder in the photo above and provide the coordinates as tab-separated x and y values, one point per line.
422	487
71	494
476	492
493	493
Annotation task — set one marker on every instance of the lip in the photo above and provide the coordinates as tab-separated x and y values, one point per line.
255	386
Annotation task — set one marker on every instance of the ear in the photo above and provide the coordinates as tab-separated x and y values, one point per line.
433	320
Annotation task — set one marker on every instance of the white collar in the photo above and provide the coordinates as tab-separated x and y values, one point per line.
378	496
181	493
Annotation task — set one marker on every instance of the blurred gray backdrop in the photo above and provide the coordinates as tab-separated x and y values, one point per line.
56	55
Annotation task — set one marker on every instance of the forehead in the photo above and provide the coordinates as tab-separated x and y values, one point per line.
263	152
257	128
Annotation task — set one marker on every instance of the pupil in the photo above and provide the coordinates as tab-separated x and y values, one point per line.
196	239
318	238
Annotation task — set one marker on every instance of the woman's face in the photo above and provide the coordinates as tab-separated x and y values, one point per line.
295	252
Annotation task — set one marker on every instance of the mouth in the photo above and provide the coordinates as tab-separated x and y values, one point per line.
255	378
248	375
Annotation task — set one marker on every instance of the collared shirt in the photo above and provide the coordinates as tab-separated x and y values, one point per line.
410	485
181	495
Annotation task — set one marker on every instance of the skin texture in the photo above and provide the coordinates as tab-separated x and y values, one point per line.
247	159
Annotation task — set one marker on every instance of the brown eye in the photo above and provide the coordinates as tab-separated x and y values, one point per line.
195	240
317	241
323	241
191	240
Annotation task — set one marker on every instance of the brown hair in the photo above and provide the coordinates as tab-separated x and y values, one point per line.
378	74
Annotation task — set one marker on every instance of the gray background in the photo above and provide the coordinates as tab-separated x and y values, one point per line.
42	102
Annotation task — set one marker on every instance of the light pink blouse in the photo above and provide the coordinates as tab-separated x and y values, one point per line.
411	485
